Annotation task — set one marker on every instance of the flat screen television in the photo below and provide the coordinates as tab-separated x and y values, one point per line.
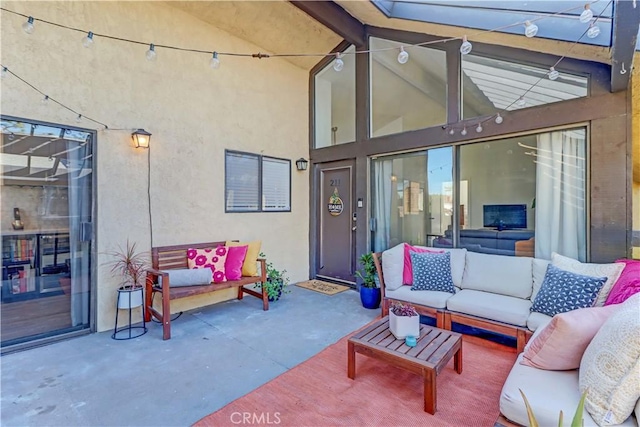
504	217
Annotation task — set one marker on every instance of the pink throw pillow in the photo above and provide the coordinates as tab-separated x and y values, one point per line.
627	284
562	342
407	273
213	259
235	259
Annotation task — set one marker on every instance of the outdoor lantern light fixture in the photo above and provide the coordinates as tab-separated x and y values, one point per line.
301	164
141	138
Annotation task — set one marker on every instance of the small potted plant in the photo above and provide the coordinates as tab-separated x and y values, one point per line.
132	267
404	321
369	289
277	282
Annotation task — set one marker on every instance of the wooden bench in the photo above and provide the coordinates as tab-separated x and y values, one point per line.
175	257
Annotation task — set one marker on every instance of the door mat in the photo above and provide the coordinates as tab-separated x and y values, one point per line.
323	287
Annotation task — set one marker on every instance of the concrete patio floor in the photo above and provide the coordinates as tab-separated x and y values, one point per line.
216	355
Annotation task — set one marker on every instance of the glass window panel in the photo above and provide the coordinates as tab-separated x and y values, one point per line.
335	102
490	85
525	195
242	182
410	202
406	96
276	184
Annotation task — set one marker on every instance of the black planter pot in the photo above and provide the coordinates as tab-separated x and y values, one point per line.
370	297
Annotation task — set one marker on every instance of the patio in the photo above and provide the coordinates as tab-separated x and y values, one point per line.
216	355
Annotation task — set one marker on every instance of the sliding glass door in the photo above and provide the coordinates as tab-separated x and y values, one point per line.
46	228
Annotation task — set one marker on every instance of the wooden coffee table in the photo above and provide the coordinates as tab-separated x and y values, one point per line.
434	350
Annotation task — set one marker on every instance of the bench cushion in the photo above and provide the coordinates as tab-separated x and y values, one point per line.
433	299
537	321
500	308
504	275
188	277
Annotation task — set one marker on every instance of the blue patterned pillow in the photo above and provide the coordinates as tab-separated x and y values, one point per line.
432	272
563	291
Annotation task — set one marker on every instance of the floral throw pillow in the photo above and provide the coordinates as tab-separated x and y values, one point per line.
432	272
213	259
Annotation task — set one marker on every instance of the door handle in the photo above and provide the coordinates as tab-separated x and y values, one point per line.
354	228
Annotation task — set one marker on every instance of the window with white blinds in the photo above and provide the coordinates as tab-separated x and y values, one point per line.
254	183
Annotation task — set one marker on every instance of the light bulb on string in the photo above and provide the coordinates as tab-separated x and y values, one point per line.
4	72
151	53
87	40
465	47
79	118
215	62
338	65
521	102
479	128
452	131
403	56
593	31
45	100
586	14
28	26
499	119
553	74
530	30
463	132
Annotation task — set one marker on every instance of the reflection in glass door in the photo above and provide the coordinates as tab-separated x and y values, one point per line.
412	198
46	190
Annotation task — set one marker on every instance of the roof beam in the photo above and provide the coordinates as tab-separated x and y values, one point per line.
625	33
335	18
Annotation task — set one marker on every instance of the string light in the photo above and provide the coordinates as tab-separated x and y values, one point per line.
465	47
452	131
338	65
215	62
403	56
4	72
87	40
530	30
479	128
463	132
45	100
28	26
151	53
499	119
593	31
521	102
79	118
553	74
587	14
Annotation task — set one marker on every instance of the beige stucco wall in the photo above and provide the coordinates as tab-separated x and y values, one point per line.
193	112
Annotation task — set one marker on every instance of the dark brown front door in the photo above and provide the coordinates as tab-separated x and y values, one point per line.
336	222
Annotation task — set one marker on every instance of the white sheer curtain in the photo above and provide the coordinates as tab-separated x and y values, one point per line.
79	166
382	203
560	207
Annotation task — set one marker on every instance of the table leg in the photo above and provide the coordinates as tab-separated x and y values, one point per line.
430	400
351	361
457	360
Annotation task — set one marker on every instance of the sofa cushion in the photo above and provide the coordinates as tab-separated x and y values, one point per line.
548	393
610	271
501	308
458	262
504	275
539	270
407	275
432	272
536	321
433	299
562	342
628	283
564	291
610	367
393	266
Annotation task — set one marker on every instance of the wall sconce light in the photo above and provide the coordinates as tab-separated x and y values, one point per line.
301	164
141	138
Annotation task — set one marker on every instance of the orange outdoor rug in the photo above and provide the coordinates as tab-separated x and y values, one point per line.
319	393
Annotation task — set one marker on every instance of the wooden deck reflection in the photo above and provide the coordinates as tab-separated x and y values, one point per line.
33	317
